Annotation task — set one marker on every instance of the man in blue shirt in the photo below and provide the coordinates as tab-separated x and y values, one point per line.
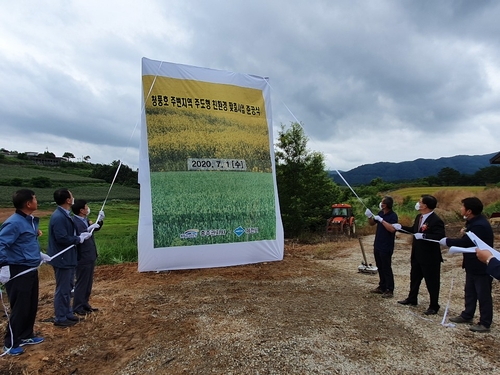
383	246
20	252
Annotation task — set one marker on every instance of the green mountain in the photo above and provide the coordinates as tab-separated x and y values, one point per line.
412	170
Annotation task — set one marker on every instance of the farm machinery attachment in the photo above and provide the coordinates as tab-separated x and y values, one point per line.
366	267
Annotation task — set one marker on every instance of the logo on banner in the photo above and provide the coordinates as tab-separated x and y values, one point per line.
190	233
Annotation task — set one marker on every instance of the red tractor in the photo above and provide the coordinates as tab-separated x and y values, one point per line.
342	221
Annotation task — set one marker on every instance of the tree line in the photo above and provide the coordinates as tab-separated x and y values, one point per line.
452	177
126	176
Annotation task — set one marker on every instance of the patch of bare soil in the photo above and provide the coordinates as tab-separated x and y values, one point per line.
311	313
6	212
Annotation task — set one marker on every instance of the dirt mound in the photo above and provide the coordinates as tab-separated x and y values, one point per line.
308	314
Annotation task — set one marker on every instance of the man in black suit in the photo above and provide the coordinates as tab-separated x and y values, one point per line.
426	255
86	256
477	279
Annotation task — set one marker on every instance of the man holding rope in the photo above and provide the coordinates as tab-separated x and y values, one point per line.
20	253
426	258
62	234
87	255
477	281
383	245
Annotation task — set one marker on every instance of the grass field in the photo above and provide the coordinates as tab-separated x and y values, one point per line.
117	241
214	202
26	173
416	192
89	192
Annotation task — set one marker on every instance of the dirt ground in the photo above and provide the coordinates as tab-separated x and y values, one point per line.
6	212
311	313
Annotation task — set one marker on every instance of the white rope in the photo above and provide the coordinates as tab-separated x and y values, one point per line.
61	252
342	177
110	186
282	102
35	268
349	186
446	309
420	317
425	239
288	109
5	309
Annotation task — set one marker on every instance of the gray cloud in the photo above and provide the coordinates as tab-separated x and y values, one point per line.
356	74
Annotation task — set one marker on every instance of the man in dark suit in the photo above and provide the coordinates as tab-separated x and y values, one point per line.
426	255
87	255
62	235
477	280
383	245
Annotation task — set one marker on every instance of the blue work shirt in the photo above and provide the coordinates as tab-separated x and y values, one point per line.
384	240
19	241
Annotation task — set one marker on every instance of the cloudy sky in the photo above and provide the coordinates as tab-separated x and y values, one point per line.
371	81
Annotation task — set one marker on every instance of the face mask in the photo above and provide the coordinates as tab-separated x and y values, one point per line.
380	205
88	211
417	206
72	201
465	217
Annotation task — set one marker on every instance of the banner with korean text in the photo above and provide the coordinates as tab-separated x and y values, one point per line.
206	170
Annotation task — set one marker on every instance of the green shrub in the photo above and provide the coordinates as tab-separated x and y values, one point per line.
41	182
16	182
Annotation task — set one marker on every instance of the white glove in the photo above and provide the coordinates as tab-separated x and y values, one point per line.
368	213
45	257
419	236
4	274
85	236
442	242
101	216
397	226
93	226
378	218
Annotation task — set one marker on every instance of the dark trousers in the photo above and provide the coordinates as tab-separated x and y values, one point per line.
478	288
431	273
384	265
23	299
83	286
62	295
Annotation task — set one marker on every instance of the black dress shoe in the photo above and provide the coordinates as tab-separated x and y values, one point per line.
80	312
407	302
65	323
430	312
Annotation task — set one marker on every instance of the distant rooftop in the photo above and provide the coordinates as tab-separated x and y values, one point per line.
495	159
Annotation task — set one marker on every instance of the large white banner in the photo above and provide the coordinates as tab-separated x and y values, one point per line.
206	170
